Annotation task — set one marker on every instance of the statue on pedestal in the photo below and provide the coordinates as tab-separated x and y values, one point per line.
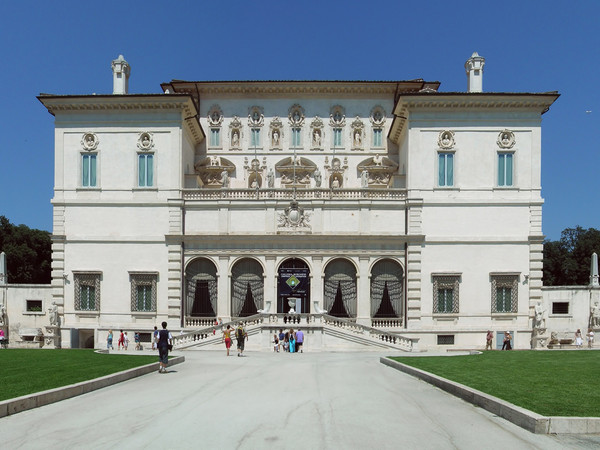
53	314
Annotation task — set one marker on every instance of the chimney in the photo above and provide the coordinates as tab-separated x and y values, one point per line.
121	70
474	68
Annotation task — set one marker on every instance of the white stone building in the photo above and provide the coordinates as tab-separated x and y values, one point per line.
389	204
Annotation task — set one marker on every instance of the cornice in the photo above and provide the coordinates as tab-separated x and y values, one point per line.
72	103
536	102
341	88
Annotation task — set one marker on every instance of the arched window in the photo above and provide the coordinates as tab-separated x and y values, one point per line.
247	288
340	288
386	289
201	288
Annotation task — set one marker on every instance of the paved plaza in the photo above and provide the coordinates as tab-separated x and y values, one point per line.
268	400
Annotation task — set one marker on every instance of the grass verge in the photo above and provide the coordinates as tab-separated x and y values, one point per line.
25	371
551	383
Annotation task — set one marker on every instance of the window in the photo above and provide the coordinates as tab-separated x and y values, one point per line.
445	169
377	137
337	137
145	170
505	169
445	339
87	291
143	291
33	305
215	137
88	170
504	293
255	137
295	137
560	307
445	293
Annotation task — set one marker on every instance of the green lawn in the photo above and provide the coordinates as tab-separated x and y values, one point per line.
551	383
27	371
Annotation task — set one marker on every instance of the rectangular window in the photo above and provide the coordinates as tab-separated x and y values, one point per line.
215	137
145	170
255	137
88	170
504	293
505	169
445	293
377	137
445	339
337	137
87	291
34	305
143	291
560	307
445	169
295	137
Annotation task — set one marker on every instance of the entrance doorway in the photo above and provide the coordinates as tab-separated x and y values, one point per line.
293	287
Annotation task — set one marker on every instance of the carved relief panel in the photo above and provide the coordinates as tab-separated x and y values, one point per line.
506	139
377	172
295	171
214	172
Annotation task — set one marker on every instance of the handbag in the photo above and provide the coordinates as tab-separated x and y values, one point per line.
170	347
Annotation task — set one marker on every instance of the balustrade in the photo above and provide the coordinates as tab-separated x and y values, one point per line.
288	194
292	320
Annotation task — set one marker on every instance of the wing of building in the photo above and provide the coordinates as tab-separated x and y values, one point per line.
369	206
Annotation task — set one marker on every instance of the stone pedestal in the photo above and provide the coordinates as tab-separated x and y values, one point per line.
539	338
52	336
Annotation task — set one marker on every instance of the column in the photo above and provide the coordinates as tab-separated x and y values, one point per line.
363	279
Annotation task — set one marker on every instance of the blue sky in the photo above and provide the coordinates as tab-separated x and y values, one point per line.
530	46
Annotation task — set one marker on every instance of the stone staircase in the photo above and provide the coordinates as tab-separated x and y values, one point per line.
323	332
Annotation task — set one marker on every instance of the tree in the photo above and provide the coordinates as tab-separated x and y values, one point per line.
567	261
28	253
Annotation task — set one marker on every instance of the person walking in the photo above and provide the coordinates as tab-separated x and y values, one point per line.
227	338
154	338
506	345
241	337
109	341
299	340
590	338
136	339
281	338
275	343
164	344
125	341
292	341
489	337
121	342
578	338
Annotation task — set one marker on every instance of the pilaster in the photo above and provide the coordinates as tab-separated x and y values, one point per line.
270	284
223	286
363	307
413	281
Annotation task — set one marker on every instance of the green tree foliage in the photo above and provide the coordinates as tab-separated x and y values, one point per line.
28	253
567	261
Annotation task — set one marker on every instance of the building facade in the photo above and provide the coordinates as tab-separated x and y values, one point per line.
387	203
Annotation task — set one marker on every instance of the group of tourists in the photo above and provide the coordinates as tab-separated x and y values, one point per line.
506	341
579	338
291	341
123	341
241	336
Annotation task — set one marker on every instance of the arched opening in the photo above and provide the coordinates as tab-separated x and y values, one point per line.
201	289
293	286
340	288
386	289
247	288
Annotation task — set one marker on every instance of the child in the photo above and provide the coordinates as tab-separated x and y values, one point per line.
275	343
125	341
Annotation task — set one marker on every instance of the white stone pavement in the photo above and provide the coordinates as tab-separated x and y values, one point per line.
267	400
